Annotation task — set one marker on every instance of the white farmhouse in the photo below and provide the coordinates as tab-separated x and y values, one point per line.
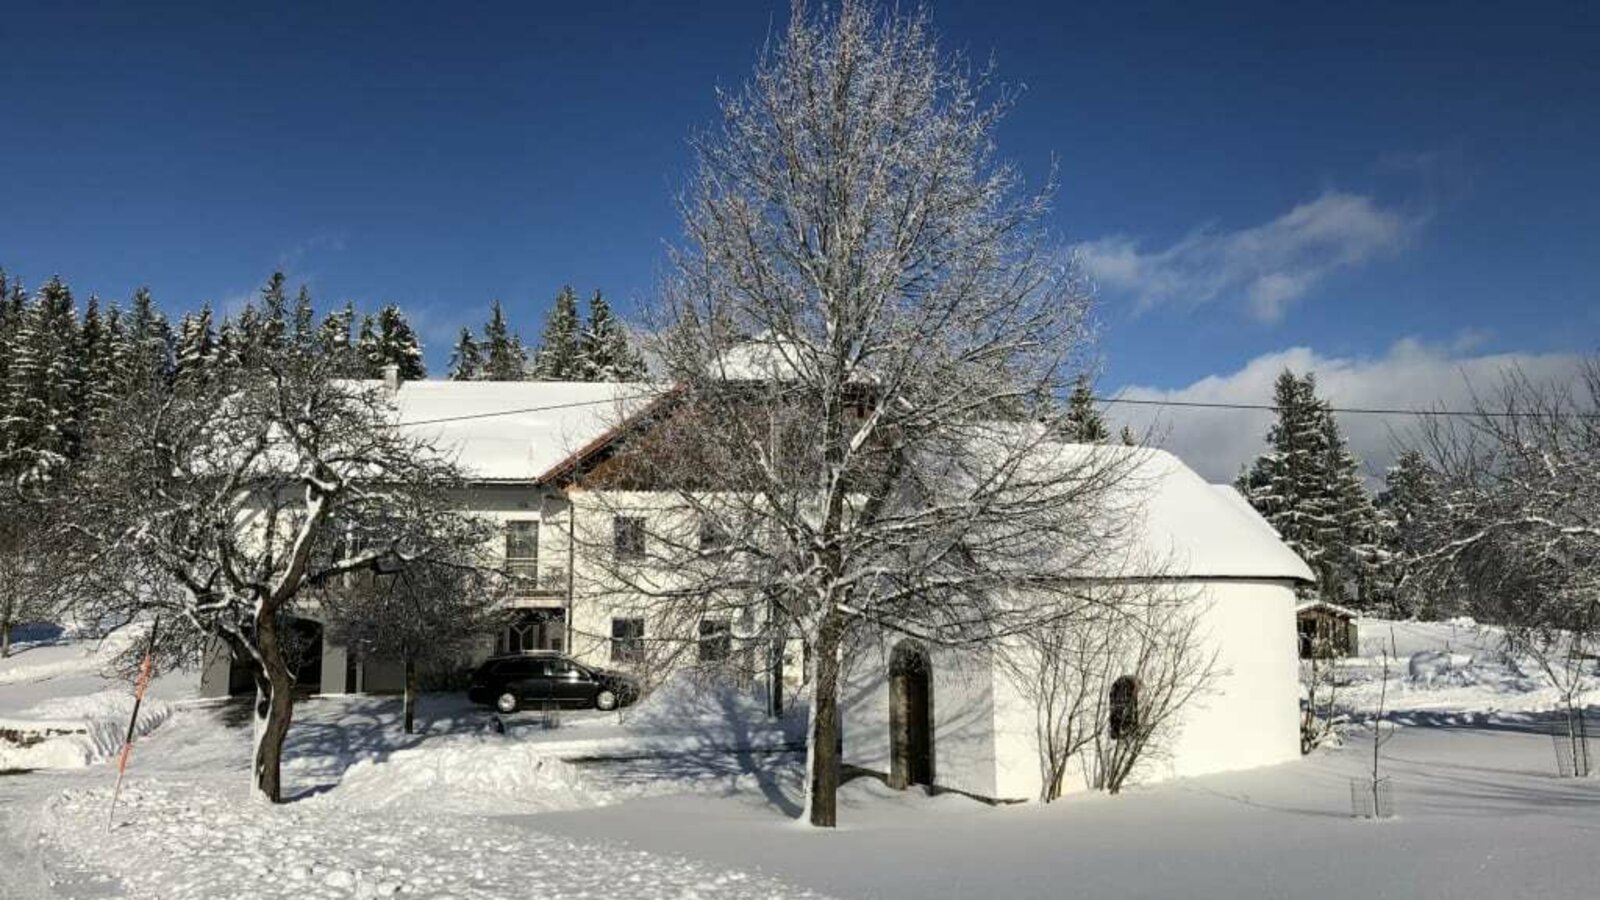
954	719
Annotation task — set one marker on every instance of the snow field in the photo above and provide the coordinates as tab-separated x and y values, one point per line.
60	709
1455	667
182	841
73	732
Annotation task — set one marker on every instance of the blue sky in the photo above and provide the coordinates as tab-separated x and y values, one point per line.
1353	183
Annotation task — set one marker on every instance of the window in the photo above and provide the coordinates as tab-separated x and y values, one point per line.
627	535
627	640
716	640
562	670
522	555
1124	712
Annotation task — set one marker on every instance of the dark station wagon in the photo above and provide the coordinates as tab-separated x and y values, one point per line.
540	680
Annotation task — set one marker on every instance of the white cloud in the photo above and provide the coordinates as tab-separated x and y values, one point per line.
1270	265
1411	375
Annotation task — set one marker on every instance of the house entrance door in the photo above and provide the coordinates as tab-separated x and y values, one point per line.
910	716
535	629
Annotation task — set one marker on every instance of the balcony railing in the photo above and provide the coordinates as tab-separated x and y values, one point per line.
529	580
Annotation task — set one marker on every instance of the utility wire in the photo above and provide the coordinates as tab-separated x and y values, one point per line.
1354	410
1125	401
526	409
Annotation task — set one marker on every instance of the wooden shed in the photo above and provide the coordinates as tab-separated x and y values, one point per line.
1326	629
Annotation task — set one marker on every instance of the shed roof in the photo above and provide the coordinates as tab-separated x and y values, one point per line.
1325	606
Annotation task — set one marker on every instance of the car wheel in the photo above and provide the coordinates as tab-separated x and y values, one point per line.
606	700
506	702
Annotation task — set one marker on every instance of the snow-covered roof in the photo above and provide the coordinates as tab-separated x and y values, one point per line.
1334	608
1192	528
516	430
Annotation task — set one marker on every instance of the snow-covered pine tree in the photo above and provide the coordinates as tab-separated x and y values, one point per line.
1290	484
197	345
272	326
1356	551
557	359
604	351
97	380
466	359
1410	493
387	339
304	337
13	304
42	388
144	354
503	356
333	341
1083	422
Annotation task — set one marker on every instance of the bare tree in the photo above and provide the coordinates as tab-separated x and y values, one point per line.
1153	665
221	503
1076	673
36	568
872	337
427	613
1319	676
1056	673
1516	529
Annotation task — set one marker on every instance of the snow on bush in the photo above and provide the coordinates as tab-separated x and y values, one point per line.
71	732
688	699
471	773
187	842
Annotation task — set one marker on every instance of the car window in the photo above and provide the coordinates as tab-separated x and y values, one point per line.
560	668
520	668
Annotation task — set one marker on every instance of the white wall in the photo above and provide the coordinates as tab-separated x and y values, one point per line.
1248	717
1252	715
963	717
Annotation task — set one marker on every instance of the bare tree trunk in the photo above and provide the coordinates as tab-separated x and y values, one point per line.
274	711
411	695
822	794
5	639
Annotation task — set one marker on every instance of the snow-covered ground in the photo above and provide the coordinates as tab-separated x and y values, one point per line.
693	793
60	706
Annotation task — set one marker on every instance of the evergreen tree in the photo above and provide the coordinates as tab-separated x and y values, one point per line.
387	339
1083	423
466	360
1308	485
504	358
13	306
558	356
604	352
304	338
144	354
1411	492
43	386
97	383
271	331
197	345
1290	485
1356	553
234	339
333	341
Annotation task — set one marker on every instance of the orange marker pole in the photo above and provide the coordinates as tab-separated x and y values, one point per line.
145	667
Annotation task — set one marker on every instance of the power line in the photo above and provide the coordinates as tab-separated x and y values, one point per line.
1125	401
526	409
1354	410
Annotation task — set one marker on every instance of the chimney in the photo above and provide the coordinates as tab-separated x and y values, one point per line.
391	378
